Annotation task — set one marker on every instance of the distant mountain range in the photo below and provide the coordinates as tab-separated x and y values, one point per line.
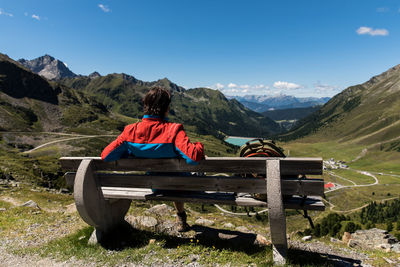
366	114
261	103
96	102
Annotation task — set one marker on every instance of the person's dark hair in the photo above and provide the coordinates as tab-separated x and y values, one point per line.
156	101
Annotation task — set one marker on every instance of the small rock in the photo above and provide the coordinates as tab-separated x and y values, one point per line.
161	210
94	238
2	209
204	222
335	240
228	225
389	260
193	257
152	241
71	208
396	247
31	204
353	243
81	237
346	237
64	191
383	246
262	241
307	238
242	229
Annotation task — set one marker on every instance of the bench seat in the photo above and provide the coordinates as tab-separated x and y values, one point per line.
294	202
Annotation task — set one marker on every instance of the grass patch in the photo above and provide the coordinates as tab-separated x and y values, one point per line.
351	198
165	249
354	176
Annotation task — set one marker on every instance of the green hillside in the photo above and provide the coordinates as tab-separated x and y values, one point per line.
30	103
364	114
290	113
203	110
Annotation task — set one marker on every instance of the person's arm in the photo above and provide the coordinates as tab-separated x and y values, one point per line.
116	148
191	152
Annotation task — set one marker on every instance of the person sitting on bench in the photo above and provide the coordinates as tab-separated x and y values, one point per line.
155	137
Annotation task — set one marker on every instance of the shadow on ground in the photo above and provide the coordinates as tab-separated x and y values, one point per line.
126	236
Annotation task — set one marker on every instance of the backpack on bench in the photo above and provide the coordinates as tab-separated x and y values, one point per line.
261	147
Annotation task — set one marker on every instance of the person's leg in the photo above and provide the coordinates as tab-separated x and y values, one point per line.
181	224
179	206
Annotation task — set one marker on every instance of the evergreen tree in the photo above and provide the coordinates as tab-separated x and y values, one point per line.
389	226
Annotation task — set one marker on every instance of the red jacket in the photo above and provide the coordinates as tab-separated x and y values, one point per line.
154	137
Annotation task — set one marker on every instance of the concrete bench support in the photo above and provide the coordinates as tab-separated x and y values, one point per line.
103	214
276	212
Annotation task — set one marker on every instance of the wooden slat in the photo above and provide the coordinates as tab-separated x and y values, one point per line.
295	202
289	166
290	186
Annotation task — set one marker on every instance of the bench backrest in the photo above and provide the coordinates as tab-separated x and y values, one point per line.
290	168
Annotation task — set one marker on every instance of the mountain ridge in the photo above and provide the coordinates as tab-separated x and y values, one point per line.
202	110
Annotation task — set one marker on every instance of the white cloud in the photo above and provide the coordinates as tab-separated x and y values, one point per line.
218	86
35	17
2	12
286	85
382	9
232	85
260	86
324	88
104	8
245	86
372	32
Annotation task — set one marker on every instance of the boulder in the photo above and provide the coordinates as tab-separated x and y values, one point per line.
228	225
204	222
307	238
142	221
160	210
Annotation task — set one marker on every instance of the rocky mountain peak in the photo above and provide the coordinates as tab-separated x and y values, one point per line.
94	75
48	67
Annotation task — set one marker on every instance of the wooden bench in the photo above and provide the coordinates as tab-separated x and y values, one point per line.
103	190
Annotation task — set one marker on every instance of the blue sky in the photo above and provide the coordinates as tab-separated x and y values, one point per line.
302	48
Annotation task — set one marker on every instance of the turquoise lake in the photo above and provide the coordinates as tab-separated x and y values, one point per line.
237	141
